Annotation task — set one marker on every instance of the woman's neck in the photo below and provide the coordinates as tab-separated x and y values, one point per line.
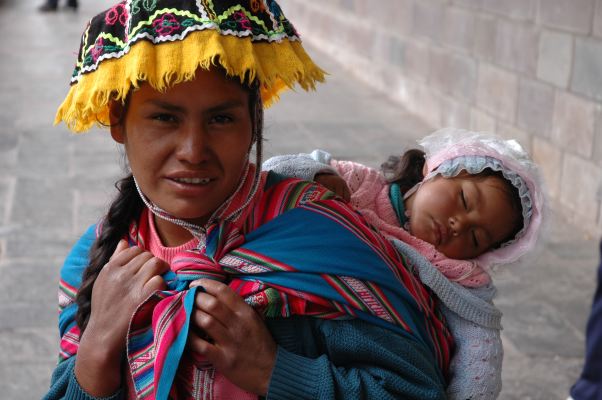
171	235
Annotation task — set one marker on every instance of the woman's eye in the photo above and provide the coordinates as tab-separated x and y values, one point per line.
463	199
221	119
162	117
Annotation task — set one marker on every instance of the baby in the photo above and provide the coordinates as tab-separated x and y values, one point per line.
468	202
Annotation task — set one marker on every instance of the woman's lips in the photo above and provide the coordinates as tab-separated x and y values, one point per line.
190	186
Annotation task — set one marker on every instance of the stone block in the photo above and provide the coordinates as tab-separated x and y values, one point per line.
453	74
459	28
394	16
425	102
476	4
42	202
454	113
395	49
573	124
586	77
429	20
555	58
598	19
497	92
485	36
549	158
7	194
42	278
580	185
516	9
512	132
570	15
516	46
597	151
535	107
481	121
416	62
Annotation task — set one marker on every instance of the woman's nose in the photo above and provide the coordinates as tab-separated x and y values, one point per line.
193	145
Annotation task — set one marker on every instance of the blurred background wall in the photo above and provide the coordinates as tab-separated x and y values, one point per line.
526	69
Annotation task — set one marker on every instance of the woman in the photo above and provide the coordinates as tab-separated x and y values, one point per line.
206	278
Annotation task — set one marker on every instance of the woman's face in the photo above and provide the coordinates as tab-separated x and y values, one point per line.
463	217
188	146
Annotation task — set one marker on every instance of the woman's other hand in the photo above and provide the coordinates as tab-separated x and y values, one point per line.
130	277
335	184
236	340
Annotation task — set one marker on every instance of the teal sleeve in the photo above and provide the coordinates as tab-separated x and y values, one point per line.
64	385
350	360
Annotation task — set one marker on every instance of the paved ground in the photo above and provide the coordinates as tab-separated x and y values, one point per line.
52	185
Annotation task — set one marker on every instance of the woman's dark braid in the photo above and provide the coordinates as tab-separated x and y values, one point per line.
126	208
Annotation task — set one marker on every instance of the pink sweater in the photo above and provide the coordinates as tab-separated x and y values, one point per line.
370	196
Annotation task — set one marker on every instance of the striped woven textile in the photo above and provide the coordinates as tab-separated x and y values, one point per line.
297	250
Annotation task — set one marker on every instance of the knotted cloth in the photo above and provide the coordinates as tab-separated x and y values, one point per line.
295	239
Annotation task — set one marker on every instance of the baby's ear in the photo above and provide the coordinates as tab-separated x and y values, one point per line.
116	119
425	169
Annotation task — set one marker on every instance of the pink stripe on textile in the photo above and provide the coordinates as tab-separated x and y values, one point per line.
169	316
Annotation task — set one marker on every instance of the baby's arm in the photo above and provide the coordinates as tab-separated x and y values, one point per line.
302	166
310	167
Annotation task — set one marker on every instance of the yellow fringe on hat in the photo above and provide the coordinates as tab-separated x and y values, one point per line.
277	66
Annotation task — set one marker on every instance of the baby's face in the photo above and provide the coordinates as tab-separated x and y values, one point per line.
464	216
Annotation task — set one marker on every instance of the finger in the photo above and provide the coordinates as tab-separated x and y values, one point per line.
125	256
209	304
152	267
121	246
154	284
223	294
195	283
346	193
214	329
135	264
202	347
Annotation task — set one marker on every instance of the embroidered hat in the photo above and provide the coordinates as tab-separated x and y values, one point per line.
164	42
450	151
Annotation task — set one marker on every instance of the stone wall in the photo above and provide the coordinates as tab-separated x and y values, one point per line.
526	69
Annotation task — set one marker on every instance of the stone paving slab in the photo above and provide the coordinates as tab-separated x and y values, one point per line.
53	185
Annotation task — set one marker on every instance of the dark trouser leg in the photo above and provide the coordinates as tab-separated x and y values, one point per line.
49	5
589	385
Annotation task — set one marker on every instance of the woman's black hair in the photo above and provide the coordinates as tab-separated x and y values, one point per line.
127	207
407	171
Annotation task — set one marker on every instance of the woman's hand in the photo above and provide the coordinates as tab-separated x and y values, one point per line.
130	277
236	340
335	184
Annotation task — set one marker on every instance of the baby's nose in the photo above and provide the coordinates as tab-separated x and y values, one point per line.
456	225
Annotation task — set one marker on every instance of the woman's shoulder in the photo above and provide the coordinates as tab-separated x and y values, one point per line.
78	258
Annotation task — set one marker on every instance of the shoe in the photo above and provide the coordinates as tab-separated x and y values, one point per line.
47	8
72	5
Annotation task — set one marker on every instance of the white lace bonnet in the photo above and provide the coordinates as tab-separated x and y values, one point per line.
450	151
